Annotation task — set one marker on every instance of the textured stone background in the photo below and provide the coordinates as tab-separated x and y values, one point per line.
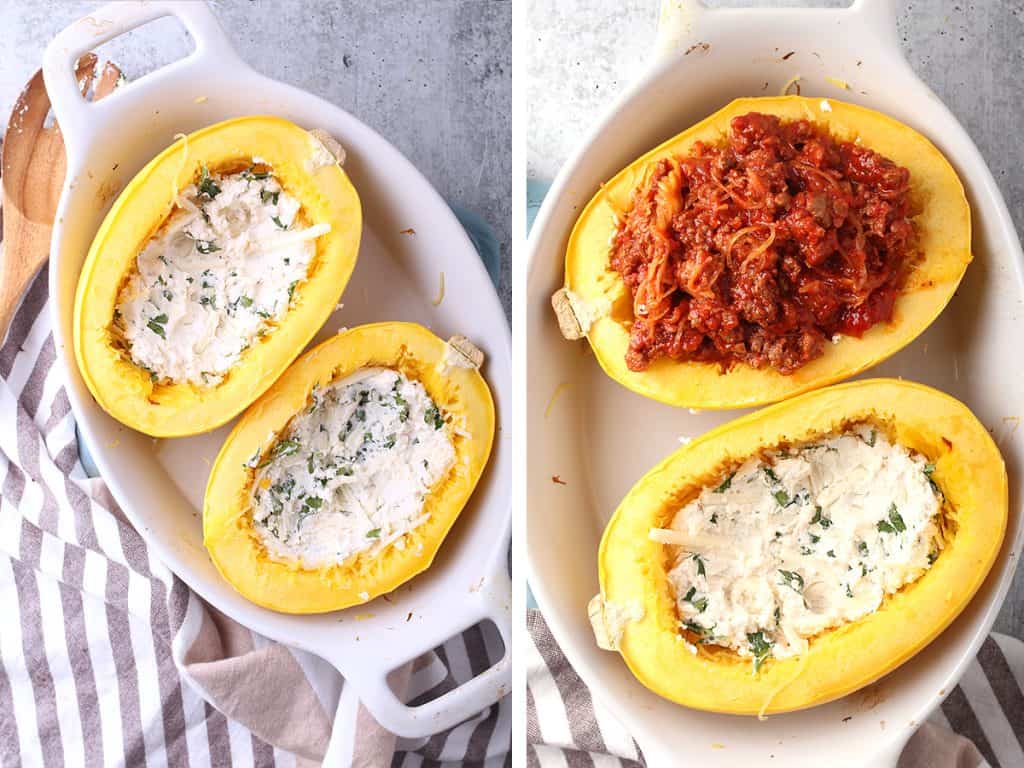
582	53
434	78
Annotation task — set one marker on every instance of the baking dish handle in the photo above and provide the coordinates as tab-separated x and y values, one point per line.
79	118
491	601
679	21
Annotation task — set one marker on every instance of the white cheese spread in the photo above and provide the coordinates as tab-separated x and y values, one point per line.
219	273
352	471
801	541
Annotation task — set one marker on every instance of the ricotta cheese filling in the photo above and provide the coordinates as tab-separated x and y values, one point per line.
802	540
217	275
352	471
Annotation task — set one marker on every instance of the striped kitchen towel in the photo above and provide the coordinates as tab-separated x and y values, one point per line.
107	659
979	725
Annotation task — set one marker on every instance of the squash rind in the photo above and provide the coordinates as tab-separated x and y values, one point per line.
944	238
299	162
633	569
228	533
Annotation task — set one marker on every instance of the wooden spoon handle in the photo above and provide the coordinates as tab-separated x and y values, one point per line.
23	239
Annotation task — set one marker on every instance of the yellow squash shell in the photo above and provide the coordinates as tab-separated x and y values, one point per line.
596	302
453	382
636	611
306	170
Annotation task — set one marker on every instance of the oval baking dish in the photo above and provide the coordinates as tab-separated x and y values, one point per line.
597	303
638	612
455	402
285	170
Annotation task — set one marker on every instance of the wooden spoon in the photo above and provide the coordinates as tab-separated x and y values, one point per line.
34	165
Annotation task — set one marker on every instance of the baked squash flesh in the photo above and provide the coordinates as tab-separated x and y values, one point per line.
801	552
342	481
216	265
781	244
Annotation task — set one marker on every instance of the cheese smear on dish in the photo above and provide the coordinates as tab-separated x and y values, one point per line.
217	275
802	541
352	471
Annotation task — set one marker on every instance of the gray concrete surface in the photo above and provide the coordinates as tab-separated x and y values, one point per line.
582	53
434	78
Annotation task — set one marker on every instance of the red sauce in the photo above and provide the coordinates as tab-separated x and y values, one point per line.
761	250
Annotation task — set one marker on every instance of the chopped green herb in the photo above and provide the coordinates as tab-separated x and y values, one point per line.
207	186
374	534
689	594
704	634
896	519
700	565
433	417
269	197
284	448
820	519
725	484
782	498
254	460
284	488
314	502
770	474
831	553
156	325
291	289
862	547
872	438
760	647
849	592
895	523
793	580
250	175
278	222
245	301
714	518
929	469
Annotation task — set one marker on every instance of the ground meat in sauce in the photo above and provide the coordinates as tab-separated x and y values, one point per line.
762	249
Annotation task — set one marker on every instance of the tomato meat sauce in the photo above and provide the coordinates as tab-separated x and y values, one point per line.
761	250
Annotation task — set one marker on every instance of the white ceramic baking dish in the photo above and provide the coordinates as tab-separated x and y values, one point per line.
160	484
600	438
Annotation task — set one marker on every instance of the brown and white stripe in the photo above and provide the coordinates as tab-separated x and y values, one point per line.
980	724
106	658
